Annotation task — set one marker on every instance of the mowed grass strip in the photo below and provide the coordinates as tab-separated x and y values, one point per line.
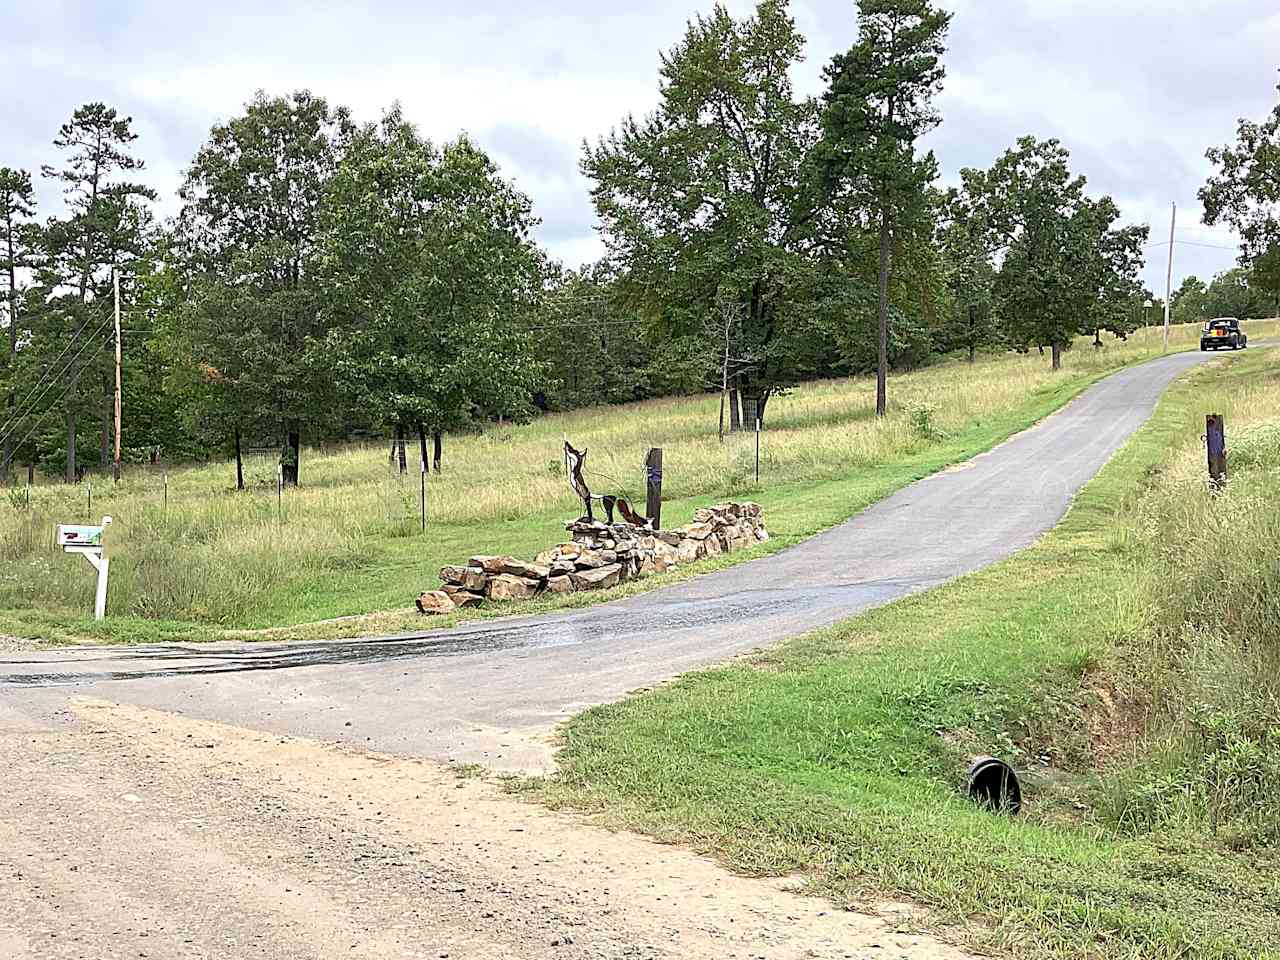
840	755
212	563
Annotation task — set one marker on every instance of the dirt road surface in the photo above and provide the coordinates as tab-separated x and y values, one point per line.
127	832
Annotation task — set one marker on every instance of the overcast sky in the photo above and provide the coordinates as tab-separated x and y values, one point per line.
1137	89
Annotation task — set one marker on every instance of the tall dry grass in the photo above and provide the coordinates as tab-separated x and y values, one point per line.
212	553
1205	657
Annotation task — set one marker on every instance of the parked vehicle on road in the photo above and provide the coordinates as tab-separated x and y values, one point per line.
1223	332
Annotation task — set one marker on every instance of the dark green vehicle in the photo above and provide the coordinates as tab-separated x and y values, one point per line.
1223	332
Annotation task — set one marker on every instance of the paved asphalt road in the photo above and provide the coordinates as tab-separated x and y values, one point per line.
492	692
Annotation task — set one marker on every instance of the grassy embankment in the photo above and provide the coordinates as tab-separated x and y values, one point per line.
217	563
1130	659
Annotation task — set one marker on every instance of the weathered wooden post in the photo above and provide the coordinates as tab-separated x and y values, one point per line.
1215	435
757	451
653	486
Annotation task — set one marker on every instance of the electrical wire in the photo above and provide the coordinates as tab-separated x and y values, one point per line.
70	343
16	422
1190	243
44	416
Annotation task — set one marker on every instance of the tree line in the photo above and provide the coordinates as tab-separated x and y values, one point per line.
324	280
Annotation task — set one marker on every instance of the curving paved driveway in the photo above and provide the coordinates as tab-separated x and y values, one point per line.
492	692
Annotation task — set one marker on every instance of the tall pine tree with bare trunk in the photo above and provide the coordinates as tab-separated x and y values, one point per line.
106	223
879	102
17	206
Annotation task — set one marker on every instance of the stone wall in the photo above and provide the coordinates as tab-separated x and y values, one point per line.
597	556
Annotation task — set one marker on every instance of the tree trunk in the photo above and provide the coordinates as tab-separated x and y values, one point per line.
735	412
239	461
437	449
723	394
761	404
71	439
1057	355
398	446
292	460
422	446
882	357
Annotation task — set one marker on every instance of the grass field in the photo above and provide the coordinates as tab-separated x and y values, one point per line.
211	562
1128	662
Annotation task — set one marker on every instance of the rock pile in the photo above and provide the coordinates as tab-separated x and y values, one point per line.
598	556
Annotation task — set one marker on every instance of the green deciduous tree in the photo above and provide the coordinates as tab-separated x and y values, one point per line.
1065	268
596	350
964	241
713	195
1245	193
429	268
249	232
879	102
1112	264
1232	293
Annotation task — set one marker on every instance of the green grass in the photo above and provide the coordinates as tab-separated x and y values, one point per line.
214	563
839	755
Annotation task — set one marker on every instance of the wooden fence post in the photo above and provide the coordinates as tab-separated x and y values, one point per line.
1215	434
653	491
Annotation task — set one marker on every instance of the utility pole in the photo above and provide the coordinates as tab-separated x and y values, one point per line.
115	278
1168	277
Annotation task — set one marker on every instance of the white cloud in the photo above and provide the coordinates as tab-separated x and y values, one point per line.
1136	90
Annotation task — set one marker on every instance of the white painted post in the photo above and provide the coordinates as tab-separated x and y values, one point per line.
103	566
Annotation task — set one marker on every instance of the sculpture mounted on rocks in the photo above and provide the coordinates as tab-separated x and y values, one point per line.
573	461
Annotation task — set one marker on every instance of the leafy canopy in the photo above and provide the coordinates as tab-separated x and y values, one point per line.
1245	193
429	266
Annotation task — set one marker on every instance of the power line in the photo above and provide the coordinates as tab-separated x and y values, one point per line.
44	416
1190	243
13	424
70	343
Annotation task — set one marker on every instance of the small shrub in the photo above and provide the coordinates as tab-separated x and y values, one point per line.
924	419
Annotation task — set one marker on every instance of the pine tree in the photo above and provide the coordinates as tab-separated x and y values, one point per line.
17	207
879	102
106	227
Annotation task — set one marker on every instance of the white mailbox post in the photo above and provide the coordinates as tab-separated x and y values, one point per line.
87	540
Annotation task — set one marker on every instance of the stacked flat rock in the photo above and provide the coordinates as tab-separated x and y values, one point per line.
597	556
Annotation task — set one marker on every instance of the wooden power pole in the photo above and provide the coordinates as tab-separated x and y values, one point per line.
1168	277
115	277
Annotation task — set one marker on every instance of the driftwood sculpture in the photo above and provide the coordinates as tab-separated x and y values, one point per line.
574	460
